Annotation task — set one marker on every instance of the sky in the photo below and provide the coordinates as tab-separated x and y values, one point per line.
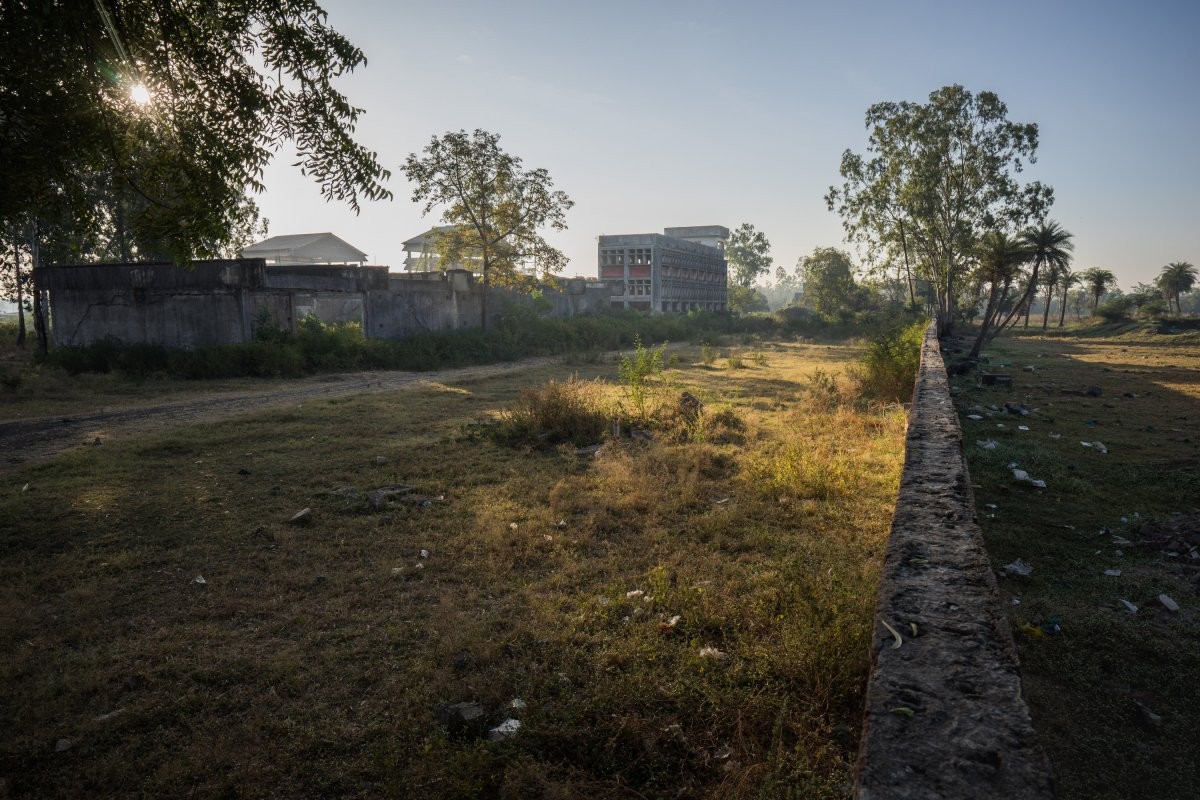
658	113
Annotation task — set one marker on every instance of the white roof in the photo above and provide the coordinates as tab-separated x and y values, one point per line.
306	248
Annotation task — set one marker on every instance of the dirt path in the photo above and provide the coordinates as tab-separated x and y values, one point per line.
30	441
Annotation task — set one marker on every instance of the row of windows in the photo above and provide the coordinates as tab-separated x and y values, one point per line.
633	256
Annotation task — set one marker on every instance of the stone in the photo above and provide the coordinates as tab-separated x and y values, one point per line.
62	745
504	730
1168	603
302	517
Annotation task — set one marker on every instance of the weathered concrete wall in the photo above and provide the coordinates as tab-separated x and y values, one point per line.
217	302
944	714
155	303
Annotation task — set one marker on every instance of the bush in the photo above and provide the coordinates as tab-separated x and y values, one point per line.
1116	310
572	411
888	370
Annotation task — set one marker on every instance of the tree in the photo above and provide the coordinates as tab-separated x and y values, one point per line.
999	258
749	255
495	208
1066	279
829	287
1050	246
1098	282
1175	279
935	178
745	299
140	126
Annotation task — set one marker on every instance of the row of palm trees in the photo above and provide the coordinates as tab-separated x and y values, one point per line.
1046	249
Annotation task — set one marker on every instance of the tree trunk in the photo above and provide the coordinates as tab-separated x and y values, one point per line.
483	297
1062	317
912	290
1046	311
20	295
39	311
1031	292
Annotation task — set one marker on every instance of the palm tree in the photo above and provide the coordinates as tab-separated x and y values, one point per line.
1000	257
1066	279
1050	279
1097	281
1051	246
1175	279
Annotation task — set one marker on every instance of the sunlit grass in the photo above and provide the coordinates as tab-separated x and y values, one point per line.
685	614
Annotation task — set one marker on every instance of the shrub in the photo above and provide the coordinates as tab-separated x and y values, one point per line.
572	411
1116	309
637	373
888	369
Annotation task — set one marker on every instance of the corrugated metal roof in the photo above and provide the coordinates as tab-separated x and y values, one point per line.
294	244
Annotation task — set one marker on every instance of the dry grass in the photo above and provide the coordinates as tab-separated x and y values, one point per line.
683	616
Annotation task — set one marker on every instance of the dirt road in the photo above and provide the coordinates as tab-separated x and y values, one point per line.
30	441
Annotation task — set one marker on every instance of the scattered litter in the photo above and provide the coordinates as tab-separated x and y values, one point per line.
1016	601
1012	465
1022	427
397	570
562	523
590	450
1052	626
723	501
1001	426
1096	446
669	625
418	565
1032	631
1113	573
1168	603
975	417
106	717
424	554
1130	607
380	460
1149	718
894	632
1039	484
512	525
990	505
1120	540
504	730
723	752
302	517
62	745
517	703
903	711
1020	474
25	488
199	579
711	652
634	593
1018	567
986	444
1056	436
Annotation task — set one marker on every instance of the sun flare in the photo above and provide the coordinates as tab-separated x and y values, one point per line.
140	94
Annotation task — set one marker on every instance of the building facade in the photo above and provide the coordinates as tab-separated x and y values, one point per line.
681	269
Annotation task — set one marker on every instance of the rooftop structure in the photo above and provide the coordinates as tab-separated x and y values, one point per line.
682	269
306	248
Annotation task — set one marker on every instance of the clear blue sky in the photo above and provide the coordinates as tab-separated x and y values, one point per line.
654	114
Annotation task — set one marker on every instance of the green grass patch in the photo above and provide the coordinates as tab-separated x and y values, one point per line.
1112	694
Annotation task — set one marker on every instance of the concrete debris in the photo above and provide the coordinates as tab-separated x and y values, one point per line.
1018	568
986	444
504	730
1168	603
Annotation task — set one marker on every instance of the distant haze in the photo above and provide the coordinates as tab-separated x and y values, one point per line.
663	114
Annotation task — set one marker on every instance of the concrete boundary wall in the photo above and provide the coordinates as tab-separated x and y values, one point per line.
945	716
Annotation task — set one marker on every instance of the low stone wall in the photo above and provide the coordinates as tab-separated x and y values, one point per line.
945	717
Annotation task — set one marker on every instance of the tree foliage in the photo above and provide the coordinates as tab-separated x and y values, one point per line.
496	209
1098	281
1175	279
829	287
935	177
100	170
748	254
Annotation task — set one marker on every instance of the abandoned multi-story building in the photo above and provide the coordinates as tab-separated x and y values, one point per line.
680	269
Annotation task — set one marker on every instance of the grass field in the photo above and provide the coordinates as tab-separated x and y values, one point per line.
1114	694
684	614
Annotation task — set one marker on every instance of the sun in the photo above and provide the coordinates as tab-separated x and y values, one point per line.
140	94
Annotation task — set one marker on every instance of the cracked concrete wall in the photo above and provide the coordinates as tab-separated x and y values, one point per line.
944	713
